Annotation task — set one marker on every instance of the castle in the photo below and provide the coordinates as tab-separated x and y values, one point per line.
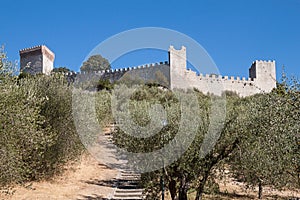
172	74
38	59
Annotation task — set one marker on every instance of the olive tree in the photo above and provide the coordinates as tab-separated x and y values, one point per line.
269	151
191	170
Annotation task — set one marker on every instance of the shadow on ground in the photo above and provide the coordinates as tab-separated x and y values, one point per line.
120	183
225	196
91	197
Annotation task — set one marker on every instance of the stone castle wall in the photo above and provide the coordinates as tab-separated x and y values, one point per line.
155	72
172	74
149	73
262	77
214	84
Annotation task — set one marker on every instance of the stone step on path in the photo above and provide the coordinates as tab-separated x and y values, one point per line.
127	182
128	187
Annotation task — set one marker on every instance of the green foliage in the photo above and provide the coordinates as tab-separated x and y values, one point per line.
260	141
37	133
2	57
103	107
95	63
7	68
24	75
190	169
211	187
61	70
104	84
269	151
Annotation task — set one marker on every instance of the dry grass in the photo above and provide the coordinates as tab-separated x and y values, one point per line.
86	179
89	180
233	190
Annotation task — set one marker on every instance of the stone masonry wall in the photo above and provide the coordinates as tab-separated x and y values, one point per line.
31	62
150	73
38	59
172	74
262	78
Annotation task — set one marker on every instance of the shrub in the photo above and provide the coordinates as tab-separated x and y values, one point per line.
37	132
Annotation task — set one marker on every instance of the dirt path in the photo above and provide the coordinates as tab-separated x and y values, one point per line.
89	180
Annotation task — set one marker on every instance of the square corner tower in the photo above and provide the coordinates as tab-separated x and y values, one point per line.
35	60
264	74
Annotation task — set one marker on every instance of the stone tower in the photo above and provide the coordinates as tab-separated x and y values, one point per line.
177	61
262	77
38	59
264	74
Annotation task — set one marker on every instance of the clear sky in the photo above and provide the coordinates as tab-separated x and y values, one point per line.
234	33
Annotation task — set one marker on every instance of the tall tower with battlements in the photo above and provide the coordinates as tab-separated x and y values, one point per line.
264	74
177	61
262	77
172	74
35	60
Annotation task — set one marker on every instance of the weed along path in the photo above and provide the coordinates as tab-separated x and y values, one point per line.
86	179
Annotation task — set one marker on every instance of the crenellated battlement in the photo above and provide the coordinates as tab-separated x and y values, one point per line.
118	70
173	74
263	61
31	48
262	77
223	78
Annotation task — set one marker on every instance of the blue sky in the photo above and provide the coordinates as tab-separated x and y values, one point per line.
234	33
